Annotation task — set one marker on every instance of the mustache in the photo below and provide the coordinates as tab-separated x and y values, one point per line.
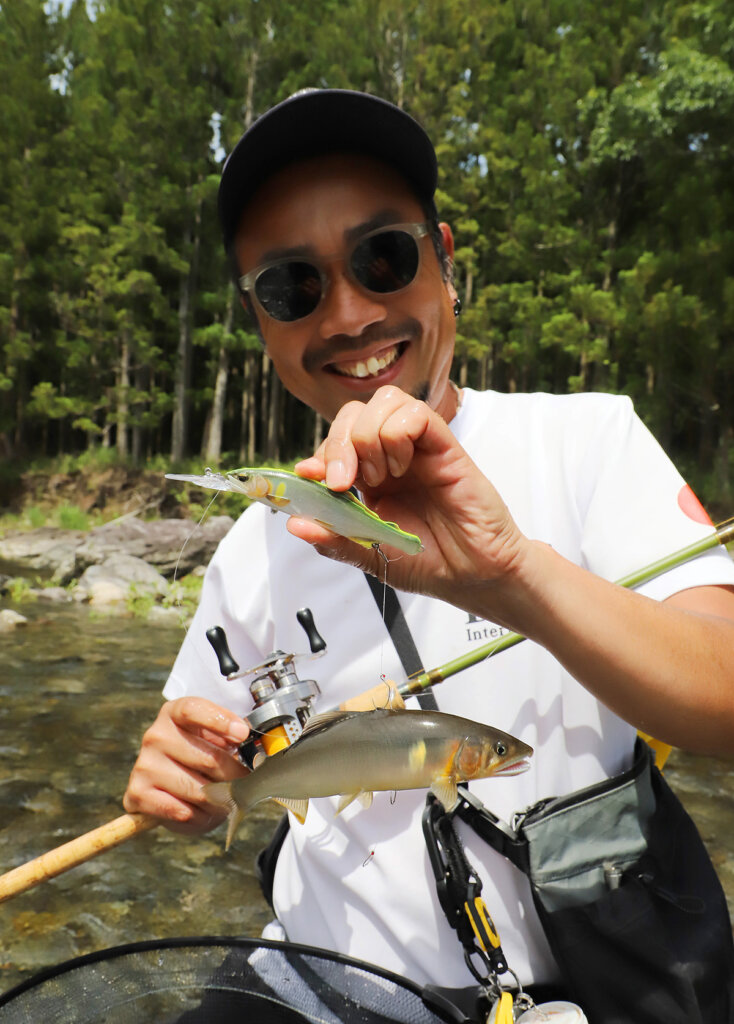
337	345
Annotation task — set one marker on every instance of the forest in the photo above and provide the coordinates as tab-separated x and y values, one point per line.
585	155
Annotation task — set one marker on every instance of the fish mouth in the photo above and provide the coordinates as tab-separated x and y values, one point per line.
516	767
369	367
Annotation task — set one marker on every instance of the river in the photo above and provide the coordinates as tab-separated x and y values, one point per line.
76	693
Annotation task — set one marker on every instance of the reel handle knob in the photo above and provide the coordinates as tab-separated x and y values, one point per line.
218	639
316	641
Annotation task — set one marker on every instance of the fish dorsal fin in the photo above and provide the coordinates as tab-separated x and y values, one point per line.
324	720
364	798
299	807
445	789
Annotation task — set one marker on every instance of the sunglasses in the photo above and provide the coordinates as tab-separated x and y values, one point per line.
382	262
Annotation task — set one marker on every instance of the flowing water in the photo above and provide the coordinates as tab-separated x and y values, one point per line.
76	693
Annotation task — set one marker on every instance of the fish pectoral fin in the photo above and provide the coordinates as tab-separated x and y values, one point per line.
297	806
364	797
444	789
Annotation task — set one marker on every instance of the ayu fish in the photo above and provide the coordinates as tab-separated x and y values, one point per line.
355	753
281	491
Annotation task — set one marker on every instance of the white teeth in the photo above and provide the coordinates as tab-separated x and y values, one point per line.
369	368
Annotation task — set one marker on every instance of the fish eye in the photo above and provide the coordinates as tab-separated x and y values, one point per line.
500	748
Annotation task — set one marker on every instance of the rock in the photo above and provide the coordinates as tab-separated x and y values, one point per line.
165	616
48	551
52	595
10	619
116	578
171	545
103	592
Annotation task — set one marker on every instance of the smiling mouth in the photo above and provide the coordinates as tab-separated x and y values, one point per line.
371	367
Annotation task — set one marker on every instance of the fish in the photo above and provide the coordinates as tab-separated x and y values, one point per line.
341	512
352	754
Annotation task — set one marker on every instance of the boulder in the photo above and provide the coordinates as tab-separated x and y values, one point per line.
10	619
116	578
51	595
171	545
47	551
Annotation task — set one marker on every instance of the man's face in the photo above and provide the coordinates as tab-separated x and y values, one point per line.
355	341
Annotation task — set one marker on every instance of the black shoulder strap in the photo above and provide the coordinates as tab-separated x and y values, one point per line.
397	626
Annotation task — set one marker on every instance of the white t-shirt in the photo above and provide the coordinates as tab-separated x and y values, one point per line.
579	472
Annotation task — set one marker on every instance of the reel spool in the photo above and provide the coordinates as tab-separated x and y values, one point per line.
281	700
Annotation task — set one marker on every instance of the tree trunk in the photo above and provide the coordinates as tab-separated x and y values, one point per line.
136	428
123	388
272	444
182	380
248	421
211	448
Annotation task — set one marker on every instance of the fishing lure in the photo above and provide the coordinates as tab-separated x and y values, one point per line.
282	491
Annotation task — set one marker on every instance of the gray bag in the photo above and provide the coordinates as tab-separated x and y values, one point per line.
627	896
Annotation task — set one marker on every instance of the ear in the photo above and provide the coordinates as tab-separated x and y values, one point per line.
448	244
448	238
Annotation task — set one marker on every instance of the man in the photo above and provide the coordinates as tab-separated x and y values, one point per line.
527	505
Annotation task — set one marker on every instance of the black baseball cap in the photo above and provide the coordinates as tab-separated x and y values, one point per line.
314	122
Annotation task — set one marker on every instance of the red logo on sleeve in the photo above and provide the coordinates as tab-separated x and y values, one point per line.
692	507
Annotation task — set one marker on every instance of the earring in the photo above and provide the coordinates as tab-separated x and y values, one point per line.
457	306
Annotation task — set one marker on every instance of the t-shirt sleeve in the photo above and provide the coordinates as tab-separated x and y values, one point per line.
637	508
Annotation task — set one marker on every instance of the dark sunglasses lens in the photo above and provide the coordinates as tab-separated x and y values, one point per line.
289	291
386	262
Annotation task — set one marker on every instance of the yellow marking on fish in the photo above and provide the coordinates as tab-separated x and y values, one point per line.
449	769
417	755
279	498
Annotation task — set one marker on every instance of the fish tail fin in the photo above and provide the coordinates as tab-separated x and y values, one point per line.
234	822
220	793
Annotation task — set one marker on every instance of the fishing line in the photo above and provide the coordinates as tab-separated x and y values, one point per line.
191	534
386	562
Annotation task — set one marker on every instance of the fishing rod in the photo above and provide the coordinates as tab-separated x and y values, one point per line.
419	683
120	829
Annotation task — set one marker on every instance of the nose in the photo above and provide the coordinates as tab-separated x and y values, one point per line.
348	309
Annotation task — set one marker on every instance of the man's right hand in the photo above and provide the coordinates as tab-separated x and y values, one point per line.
191	742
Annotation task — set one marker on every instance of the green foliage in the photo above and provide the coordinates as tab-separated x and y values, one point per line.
585	165
35	517
71	517
19	590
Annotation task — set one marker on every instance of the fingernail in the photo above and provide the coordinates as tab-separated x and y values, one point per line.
336	474
238	731
395	467
369	472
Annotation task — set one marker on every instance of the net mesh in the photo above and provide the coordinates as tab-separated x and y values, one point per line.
192	981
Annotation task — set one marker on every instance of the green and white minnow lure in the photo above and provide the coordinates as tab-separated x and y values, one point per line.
282	491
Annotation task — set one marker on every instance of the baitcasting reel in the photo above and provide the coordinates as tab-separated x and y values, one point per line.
282	701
